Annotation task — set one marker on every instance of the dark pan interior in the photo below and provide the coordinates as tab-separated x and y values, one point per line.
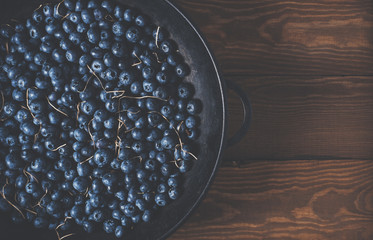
209	89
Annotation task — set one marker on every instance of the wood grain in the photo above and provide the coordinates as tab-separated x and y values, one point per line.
297	37
305	118
287	200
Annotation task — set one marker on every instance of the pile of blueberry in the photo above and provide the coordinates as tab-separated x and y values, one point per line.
97	121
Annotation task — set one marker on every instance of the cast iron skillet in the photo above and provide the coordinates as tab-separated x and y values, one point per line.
210	88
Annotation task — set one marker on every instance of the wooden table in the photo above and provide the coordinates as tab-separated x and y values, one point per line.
305	169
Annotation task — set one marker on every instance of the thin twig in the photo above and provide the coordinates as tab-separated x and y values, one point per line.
64	222
65	16
3	195
179	126
77	111
2	101
32	176
93	72
157	36
57	10
59	147
66	236
90	134
156	55
41	5
89	79
138	157
86	160
109	18
37	134
28	210
138	63
39	202
143	97
55	108
27	103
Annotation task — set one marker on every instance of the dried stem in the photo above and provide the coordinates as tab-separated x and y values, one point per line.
29	174
66	236
28	210
179	126
2	101
77	111
144	97
65	16
3	195
138	157
58	13
40	6
138	63
97	78
89	132
59	147
27	103
156	55
45	194
86	160
109	18
56	108
89	79
37	134
64	222
157	36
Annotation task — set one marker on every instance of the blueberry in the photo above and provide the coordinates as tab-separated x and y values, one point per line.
108	5
87	16
88	226
167	46
173	193
36	32
174	59
13	161
147	216
109	226
109	179
133	34
161	199
148	72
119	28
182	70
21	181
185	90
128	166
77	211
141	20
99	13
119	231
129	210
119	49
80	184
162	77
72	56
40	222
102	157
98	66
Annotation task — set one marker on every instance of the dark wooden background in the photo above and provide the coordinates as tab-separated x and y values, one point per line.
305	169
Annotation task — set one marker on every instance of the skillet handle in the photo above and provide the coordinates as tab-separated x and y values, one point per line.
247	113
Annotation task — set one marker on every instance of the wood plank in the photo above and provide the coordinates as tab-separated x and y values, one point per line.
296	37
305	118
286	200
